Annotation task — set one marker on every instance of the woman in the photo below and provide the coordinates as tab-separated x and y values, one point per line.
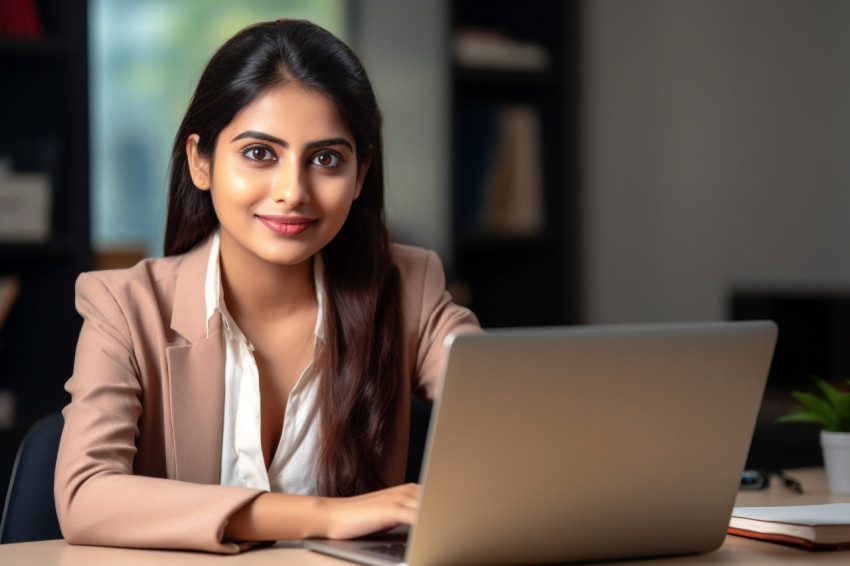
255	383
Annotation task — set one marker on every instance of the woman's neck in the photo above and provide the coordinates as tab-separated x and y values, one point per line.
258	291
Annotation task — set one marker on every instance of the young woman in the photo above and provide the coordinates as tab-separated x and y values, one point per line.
255	383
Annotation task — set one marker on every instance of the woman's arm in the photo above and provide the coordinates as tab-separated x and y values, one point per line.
439	316
278	516
101	499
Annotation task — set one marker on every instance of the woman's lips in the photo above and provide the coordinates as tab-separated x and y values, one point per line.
286	225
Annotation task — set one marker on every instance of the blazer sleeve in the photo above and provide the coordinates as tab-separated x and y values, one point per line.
99	500
440	317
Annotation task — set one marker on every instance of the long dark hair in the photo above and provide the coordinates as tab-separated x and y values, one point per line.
361	364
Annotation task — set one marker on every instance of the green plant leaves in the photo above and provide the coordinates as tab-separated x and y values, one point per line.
800	416
843	408
823	409
829	392
832	410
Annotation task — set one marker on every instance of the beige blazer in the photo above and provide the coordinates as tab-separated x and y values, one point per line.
140	456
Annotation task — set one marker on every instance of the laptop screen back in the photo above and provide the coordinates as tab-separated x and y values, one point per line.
573	444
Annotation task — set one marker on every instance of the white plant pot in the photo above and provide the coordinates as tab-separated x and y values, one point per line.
836	457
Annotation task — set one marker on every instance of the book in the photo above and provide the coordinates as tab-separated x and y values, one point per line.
488	49
499	170
27	172
811	526
513	190
25	206
20	19
478	130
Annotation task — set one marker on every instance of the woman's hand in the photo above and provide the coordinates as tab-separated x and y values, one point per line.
351	517
279	516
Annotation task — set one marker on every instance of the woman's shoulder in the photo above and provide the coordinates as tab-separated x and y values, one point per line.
150	272
156	277
415	260
420	269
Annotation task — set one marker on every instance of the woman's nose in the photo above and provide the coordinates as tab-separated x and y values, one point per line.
290	185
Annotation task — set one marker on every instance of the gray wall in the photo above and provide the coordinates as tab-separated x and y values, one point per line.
717	153
403	45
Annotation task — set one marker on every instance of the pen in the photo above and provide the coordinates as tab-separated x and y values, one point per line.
790	482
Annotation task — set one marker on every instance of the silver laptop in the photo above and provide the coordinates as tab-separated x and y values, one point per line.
583	443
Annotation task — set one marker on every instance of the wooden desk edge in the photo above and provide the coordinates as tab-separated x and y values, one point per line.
734	551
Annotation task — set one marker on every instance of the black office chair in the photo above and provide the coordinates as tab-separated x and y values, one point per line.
30	511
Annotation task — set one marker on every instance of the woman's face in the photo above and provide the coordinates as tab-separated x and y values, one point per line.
283	176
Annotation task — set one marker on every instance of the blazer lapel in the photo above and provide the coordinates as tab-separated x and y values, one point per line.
196	377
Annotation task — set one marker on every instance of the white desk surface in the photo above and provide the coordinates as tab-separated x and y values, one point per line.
735	550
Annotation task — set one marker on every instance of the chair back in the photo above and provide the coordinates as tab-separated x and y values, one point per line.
30	511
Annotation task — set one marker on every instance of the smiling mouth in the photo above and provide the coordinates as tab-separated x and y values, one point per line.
287	225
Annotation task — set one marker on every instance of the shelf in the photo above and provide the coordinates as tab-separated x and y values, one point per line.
513	195
21	251
495	242
34	49
509	78
44	123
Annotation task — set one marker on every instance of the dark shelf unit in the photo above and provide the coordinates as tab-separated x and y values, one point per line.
44	127
41	49
520	280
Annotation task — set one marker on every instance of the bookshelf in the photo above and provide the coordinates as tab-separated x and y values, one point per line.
513	160
44	117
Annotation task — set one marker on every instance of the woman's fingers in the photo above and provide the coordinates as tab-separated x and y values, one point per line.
356	516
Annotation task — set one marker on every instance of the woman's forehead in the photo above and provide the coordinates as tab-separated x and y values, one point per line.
292	111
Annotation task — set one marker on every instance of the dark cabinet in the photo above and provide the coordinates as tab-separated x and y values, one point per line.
43	133
514	165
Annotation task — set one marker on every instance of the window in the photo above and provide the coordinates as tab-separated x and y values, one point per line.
145	59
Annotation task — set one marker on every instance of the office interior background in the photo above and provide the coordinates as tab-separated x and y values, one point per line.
690	163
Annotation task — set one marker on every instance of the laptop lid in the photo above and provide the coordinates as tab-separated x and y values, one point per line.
589	443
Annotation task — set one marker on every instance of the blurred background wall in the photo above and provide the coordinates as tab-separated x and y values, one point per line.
715	153
404	47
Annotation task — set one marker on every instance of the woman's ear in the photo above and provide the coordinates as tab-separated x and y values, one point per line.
199	165
362	169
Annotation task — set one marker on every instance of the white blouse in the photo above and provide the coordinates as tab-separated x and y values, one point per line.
293	467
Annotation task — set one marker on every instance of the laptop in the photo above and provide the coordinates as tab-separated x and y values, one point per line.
585	443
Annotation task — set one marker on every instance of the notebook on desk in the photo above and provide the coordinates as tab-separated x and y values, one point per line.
583	443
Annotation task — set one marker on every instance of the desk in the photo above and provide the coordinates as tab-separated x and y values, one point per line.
735	550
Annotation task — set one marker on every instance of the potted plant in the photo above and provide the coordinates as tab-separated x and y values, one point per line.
830	409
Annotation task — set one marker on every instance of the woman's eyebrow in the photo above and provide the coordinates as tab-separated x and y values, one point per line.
260	136
272	139
330	141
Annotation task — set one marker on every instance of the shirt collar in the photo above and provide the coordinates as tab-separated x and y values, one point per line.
215	301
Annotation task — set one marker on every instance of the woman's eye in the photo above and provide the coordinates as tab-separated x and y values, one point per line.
258	153
327	159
